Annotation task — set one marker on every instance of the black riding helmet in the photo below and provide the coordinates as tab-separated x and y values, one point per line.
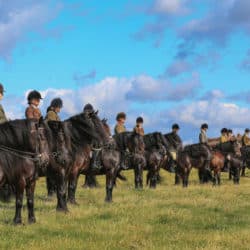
120	115
88	108
247	130
224	130
34	95
205	125
139	119
175	126
56	103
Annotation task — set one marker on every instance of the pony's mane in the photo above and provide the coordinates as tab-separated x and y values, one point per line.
152	139
79	131
121	139
16	133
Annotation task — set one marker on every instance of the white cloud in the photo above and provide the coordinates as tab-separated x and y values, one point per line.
170	6
19	17
110	96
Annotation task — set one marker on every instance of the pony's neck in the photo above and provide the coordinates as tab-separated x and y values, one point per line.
75	136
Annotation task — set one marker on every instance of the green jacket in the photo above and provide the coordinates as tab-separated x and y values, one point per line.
3	117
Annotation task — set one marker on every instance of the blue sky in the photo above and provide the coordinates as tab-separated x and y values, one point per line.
185	61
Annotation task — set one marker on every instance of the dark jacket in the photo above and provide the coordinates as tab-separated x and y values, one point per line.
174	140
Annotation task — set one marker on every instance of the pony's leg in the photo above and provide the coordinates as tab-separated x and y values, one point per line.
141	177
90	181
215	177
73	180
243	171
201	176
186	177
219	178
61	192
30	189
230	174
153	179
236	175
136	176
110	176
51	183
5	192
148	178
19	201
138	170
177	179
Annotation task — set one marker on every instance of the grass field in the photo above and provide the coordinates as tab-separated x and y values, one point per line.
170	217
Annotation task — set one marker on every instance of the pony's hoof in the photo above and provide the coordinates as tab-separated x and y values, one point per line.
17	221
62	210
108	200
32	220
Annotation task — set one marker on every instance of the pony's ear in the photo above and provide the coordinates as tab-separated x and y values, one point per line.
96	112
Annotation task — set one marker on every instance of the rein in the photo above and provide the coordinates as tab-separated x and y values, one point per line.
25	154
21	154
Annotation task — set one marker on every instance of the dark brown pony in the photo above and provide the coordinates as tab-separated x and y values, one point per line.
245	152
60	160
227	153
82	157
109	160
217	164
192	156
155	153
81	131
235	166
23	150
132	150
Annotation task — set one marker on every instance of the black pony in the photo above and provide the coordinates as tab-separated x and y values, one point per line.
23	150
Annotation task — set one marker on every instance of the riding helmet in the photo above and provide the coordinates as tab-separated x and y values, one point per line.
56	103
175	126
139	119
224	130
34	95
205	125
247	130
120	115
88	108
1	88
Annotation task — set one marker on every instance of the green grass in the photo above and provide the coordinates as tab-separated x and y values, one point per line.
170	217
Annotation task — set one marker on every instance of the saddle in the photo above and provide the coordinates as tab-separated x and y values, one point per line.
225	148
196	150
